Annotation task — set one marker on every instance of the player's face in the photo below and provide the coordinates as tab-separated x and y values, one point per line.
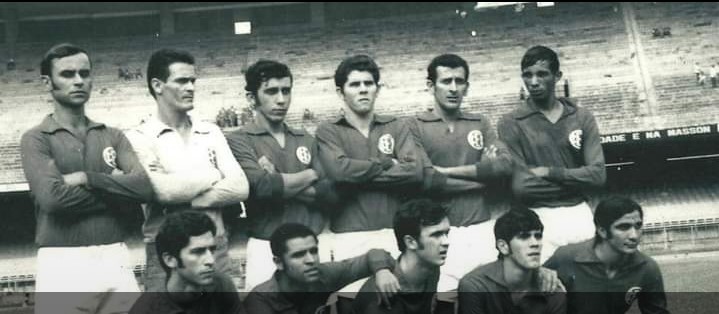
178	92
625	233
540	81
198	261
70	80
301	261
449	88
273	99
359	92
434	243
525	249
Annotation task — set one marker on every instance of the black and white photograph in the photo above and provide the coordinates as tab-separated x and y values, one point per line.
359	157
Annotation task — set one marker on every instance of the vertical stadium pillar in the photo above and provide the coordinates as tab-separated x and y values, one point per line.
645	83
167	19
317	14
11	29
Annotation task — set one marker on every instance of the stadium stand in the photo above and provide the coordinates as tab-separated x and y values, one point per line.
595	48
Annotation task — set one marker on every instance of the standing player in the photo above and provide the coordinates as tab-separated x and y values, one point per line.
557	153
84	179
185	245
464	159
188	161
371	158
281	165
421	228
512	284
606	274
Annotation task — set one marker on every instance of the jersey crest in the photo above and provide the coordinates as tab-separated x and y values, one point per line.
632	295
386	144
303	155
110	157
575	138
475	139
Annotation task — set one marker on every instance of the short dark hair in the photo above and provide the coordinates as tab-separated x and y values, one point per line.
446	60
355	63
159	64
611	209
262	71
541	53
56	52
413	215
286	232
518	220
176	230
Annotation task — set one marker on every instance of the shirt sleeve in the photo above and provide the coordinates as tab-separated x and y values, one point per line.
433	180
653	300
472	298
175	187
233	188
132	183
593	174
525	185
48	188
263	185
258	303
501	165
409	168
339	166
325	190
340	274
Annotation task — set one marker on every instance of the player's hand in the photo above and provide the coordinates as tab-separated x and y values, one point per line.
490	152
266	164
441	170
395	161
116	172
549	281
155	166
75	178
540	171
387	286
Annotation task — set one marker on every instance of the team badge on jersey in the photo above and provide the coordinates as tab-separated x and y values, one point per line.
632	295
575	138
476	139
212	155
303	155
110	157
386	144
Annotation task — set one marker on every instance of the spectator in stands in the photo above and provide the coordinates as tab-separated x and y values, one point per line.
667	31
372	158
702	78
606	274
463	164
656	33
188	161
85	180
557	153
697	70
11	64
512	283
421	228
185	244
713	75
302	285
287	184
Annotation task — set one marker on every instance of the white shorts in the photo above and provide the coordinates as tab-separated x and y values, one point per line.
469	247
565	225
94	270
351	244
